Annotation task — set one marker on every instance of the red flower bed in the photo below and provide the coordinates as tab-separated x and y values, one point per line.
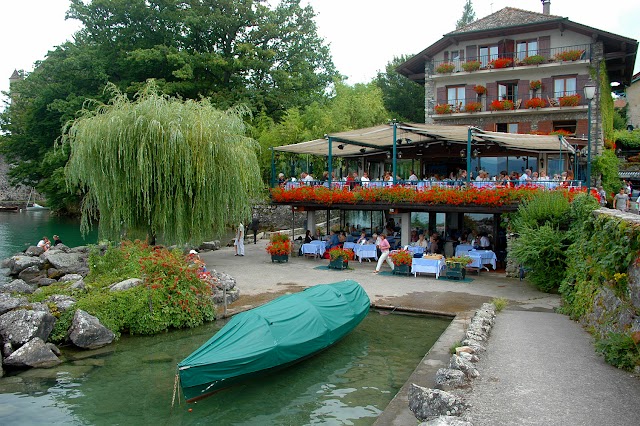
501	63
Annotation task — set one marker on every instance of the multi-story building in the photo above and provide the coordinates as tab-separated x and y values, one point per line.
518	71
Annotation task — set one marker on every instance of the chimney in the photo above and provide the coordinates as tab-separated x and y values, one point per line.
546	7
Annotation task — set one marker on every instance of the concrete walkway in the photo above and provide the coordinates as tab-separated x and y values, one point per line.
540	367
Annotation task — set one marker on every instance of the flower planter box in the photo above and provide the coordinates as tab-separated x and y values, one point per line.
280	258
456	271
402	270
338	264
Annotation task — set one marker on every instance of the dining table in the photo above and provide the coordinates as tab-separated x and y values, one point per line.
427	266
480	258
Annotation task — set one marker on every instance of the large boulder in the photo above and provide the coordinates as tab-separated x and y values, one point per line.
446	421
70	277
62	302
87	332
66	263
466	366
125	285
44	282
427	404
18	327
17	286
20	262
34	251
210	245
448	379
34	353
8	302
31	274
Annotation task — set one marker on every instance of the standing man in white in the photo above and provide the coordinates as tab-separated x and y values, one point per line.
240	240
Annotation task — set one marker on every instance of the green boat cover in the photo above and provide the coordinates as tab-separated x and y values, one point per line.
273	335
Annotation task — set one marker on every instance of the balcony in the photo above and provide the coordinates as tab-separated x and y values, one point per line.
554	57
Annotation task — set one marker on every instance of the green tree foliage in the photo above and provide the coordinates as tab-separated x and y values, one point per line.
468	15
606	165
403	98
179	170
627	140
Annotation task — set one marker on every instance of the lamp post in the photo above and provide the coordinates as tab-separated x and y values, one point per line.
589	94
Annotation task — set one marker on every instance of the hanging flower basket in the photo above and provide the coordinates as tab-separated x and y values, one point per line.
535	85
501	63
569	55
534	103
480	89
443	109
533	60
470	66
445	68
569	100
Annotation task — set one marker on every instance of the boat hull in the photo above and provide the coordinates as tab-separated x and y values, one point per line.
273	336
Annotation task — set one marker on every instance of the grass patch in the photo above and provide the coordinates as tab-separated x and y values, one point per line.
500	303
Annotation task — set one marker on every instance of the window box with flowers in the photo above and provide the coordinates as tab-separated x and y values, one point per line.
279	248
445	68
473	106
499	105
443	109
479	89
569	100
471	66
533	60
535	85
402	260
535	103
501	63
569	55
339	258
561	132
456	266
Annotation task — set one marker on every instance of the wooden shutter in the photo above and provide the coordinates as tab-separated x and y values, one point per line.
446	56
441	95
547	88
469	94
472	53
544	46
523	91
509	48
492	92
461	55
581	80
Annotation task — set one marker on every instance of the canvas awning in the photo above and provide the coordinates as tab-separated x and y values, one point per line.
380	138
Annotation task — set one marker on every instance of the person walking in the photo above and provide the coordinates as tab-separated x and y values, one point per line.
255	225
240	240
384	249
621	200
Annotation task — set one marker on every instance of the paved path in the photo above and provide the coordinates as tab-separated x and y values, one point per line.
540	367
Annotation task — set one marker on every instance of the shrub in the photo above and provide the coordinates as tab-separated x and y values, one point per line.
535	85
339	253
462	260
443	109
401	257
470	66
627	139
620	350
279	245
533	60
501	63
445	68
569	55
569	100
479	89
548	207
499	105
535	103
473	106
500	303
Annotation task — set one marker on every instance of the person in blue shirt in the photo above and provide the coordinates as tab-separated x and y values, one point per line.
334	241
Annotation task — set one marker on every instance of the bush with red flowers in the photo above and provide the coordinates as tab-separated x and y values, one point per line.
535	103
401	257
569	100
501	63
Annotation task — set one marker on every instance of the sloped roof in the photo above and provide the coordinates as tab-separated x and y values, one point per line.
380	138
506	17
15	75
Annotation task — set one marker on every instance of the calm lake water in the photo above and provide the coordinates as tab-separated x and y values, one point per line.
131	381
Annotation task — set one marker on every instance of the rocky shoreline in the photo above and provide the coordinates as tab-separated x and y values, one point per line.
25	327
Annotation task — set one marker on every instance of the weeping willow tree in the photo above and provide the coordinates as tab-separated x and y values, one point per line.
181	170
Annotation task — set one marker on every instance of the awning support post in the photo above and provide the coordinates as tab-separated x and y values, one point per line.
273	168
469	135
330	167
395	127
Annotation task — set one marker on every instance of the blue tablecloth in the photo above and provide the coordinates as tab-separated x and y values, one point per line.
429	266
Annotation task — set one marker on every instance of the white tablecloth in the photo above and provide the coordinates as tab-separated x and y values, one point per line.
314	247
416	249
481	258
365	251
429	266
349	246
463	249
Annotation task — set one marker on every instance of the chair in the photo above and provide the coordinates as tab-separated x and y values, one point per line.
553	102
518	103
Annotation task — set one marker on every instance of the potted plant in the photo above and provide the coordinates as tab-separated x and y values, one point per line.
402	260
279	248
445	68
569	100
470	66
473	106
535	103
569	55
533	60
456	266
535	85
479	89
443	109
339	258
499	105
501	63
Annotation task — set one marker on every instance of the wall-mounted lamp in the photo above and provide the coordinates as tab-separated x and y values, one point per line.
399	154
399	141
362	150
407	140
388	154
463	153
340	146
475	153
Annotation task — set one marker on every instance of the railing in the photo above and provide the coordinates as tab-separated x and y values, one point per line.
513	59
422	185
510	102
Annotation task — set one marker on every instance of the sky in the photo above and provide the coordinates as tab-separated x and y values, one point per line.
363	35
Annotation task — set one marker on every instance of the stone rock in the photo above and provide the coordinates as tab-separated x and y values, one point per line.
459	363
78	285
467	349
5	263
85	249
34	251
224	280
210	245
7	349
477	347
39	307
610	314
31	274
448	379
70	277
8	302
54	273
469	357
54	349
67	263
17	286
63	248
18	327
62	302
45	282
633	285
18	263
87	332
34	353
125	285
427	404
446	421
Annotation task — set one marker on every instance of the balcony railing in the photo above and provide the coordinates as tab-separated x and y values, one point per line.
513	59
510	102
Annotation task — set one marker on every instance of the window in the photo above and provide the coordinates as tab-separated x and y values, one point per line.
487	54
455	96
455	55
507	127
563	86
526	48
508	91
565	125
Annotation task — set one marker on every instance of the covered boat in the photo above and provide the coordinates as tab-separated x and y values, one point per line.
272	336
